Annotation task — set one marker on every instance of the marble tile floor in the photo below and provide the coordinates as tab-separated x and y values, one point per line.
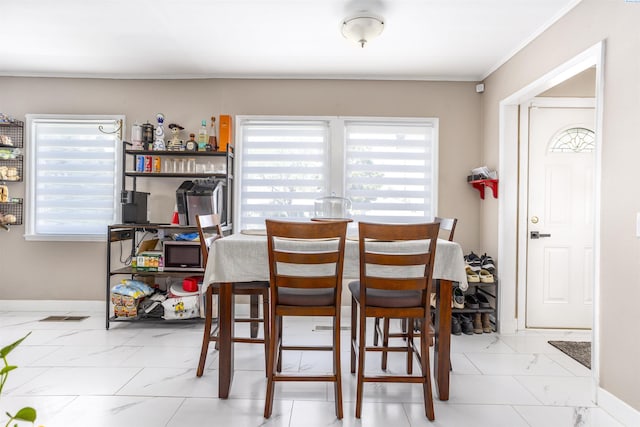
78	374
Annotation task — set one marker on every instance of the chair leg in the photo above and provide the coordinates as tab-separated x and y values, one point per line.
361	352
267	328
385	342
426	372
354	326
279	342
254	310
410	347
336	366
271	360
376	325
206	337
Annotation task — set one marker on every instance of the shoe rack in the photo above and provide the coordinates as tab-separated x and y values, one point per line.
490	291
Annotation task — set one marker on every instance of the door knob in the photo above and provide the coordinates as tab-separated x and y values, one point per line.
537	235
534	219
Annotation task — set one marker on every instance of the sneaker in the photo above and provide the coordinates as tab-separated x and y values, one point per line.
471	301
485	276
466	324
477	323
457	300
456	329
473	261
486	263
486	323
472	276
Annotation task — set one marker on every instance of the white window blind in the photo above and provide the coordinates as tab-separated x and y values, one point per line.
284	167
390	170
386	166
73	176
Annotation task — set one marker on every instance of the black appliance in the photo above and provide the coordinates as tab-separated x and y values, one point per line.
134	207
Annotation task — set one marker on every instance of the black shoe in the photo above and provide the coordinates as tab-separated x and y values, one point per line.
483	301
470	301
466	324
456	329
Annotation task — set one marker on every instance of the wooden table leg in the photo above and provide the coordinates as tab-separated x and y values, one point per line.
442	353
225	341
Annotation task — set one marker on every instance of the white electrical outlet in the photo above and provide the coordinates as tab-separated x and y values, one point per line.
638	224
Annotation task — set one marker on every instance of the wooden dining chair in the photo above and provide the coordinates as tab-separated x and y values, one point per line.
305	269
209	230
447	231
396	268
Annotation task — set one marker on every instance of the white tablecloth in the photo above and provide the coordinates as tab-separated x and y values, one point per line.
244	258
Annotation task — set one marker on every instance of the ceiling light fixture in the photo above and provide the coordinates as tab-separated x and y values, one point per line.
362	28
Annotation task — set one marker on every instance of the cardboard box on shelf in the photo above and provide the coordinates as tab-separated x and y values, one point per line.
225	132
149	261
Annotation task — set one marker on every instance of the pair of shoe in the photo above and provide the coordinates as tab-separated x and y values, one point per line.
482	323
477	300
478	263
479	269
461	324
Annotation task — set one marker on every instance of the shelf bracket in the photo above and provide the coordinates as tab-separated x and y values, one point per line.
480	185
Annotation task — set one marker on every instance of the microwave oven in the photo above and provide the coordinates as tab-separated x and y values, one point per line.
182	256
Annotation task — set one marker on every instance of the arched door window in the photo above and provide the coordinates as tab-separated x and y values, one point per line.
573	140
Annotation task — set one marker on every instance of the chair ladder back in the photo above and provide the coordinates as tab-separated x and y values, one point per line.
209	229
370	233
315	244
447	224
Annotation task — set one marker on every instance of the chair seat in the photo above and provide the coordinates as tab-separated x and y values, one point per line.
242	287
306	297
387	298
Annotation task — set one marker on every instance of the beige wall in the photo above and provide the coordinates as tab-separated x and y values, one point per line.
582	85
53	270
588	23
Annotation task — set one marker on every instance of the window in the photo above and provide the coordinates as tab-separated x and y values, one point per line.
386	166
285	166
73	180
390	170
574	140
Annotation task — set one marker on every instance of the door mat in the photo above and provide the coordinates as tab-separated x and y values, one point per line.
579	351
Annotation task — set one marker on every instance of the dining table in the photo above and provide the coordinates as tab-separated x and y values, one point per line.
243	257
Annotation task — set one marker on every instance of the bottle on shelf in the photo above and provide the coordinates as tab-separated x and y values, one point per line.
192	145
213	136
203	136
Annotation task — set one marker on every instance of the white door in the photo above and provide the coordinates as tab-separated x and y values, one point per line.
560	218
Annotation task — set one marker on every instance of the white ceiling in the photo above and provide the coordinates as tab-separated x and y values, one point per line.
422	39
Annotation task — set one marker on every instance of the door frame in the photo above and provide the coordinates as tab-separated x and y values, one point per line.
509	238
523	202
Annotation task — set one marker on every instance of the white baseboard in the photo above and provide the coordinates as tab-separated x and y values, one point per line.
617	408
52	305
